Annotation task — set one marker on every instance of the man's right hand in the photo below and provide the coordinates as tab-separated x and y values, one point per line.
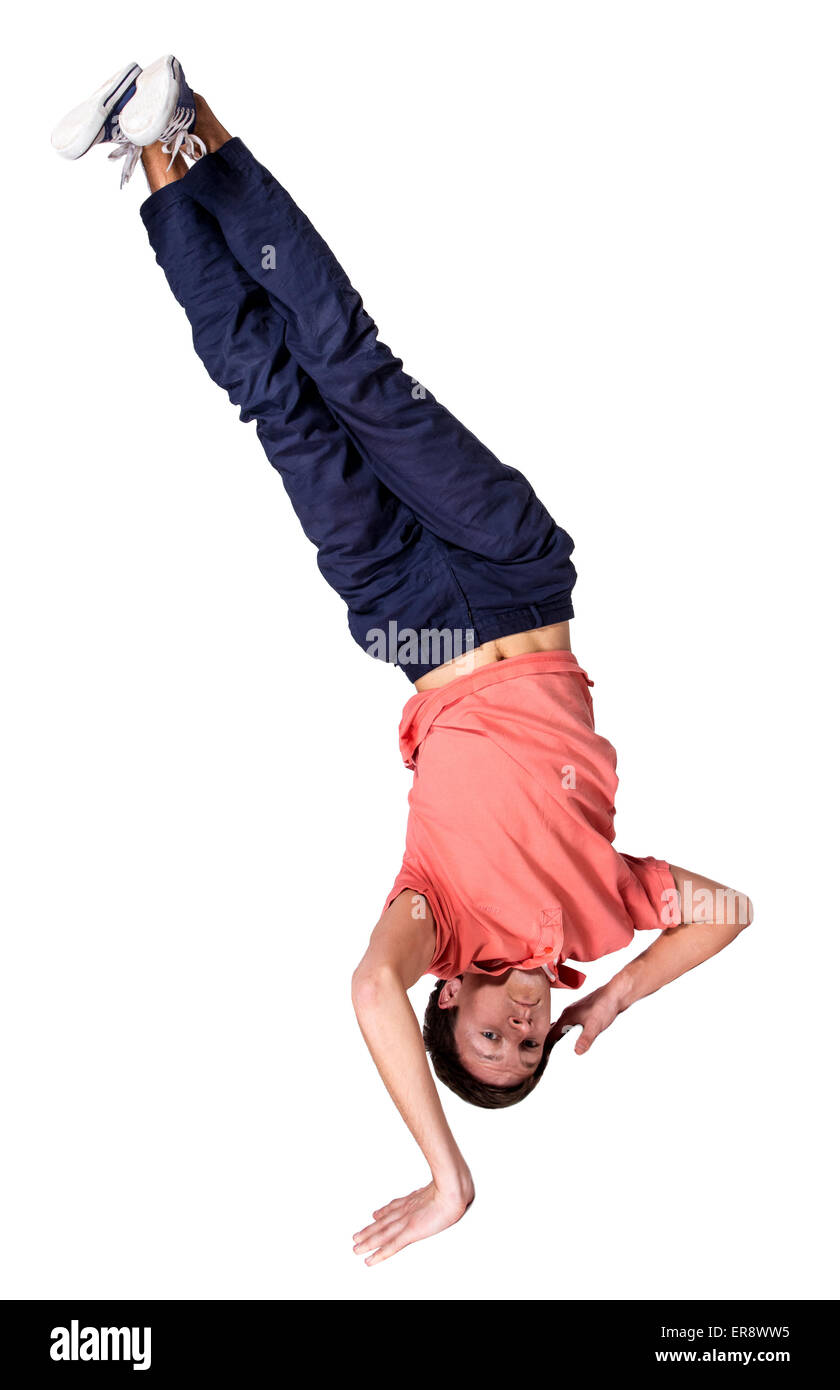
407	1219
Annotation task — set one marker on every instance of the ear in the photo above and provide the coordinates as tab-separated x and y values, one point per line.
448	996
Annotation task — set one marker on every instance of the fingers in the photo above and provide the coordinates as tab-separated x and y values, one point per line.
383	1220
377	1237
588	1032
386	1251
398	1224
378	1224
587	1037
589	1027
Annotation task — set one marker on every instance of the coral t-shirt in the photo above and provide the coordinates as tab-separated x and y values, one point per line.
510	825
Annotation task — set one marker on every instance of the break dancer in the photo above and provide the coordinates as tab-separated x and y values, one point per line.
453	570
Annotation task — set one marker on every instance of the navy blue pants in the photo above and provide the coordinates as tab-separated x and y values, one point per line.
417	525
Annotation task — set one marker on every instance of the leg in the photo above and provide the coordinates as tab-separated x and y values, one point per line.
504	546
371	548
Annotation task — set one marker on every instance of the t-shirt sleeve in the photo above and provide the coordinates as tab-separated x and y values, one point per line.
650	894
402	882
417	882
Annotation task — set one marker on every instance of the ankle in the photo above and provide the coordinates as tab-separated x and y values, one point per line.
207	127
156	166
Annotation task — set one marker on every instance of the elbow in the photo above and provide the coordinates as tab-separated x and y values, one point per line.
732	910
738	914
365	988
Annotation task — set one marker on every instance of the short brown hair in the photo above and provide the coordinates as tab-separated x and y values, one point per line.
439	1037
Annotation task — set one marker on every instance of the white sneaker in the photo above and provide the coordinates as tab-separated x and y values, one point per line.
97	122
163	108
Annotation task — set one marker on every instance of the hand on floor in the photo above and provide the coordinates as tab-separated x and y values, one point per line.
407	1219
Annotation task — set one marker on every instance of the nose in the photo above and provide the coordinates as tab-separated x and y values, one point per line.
522	1020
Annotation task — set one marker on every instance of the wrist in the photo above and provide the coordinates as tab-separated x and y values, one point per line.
454	1182
622	988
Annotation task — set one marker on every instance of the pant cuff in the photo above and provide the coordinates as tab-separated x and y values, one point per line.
161	199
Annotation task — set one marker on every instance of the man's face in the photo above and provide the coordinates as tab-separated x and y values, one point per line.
501	1024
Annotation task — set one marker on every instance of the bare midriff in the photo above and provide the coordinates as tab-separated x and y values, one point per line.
554	638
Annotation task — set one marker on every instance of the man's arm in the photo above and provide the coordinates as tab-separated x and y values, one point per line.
712	916
401	948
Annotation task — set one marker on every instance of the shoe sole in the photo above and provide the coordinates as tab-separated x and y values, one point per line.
152	107
84	126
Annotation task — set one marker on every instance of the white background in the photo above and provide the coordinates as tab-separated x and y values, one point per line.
605	235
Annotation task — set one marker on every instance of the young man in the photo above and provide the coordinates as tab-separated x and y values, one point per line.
452	569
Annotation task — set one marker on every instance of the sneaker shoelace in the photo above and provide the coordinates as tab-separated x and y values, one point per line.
175	138
124	149
178	137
